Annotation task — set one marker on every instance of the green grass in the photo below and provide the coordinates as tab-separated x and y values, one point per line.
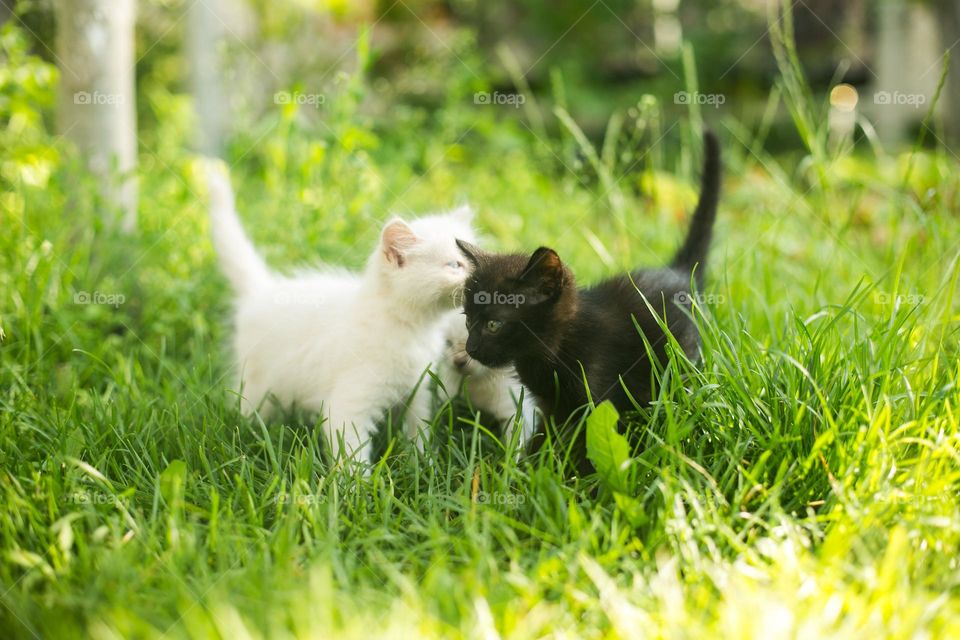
801	481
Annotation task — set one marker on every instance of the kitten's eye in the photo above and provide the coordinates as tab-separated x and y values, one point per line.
455	264
494	326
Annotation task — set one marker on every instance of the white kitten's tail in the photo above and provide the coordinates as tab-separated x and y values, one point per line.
239	260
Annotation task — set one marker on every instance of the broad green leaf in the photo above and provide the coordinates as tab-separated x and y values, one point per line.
606	448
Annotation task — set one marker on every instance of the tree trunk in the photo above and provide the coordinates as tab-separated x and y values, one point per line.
948	16
211	103
907	68
97	100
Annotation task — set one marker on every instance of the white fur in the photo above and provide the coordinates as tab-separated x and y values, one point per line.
496	391
349	345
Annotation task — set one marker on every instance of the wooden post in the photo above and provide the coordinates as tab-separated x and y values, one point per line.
97	99
204	35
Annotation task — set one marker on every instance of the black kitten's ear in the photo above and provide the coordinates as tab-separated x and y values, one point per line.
470	251
544	272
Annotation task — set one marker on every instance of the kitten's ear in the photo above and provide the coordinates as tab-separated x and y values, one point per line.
471	251
463	214
396	240
544	273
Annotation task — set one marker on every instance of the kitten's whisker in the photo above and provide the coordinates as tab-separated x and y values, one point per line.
459	296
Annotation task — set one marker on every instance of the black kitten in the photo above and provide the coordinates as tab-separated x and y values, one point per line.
527	311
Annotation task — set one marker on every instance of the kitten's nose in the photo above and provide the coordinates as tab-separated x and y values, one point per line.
460	362
473	343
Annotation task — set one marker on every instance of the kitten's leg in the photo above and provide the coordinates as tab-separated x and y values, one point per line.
527	417
417	417
352	425
358	443
257	402
253	393
498	395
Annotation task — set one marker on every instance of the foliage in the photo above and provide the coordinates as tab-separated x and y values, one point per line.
801	480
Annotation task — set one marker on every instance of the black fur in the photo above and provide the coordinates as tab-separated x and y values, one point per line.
527	311
692	255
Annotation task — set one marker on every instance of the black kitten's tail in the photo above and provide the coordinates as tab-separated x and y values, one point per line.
693	253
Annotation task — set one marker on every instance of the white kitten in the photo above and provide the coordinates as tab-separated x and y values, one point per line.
496	391
349	345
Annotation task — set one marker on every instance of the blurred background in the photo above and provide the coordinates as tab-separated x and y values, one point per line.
223	76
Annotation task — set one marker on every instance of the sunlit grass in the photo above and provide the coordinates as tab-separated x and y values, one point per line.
801	481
